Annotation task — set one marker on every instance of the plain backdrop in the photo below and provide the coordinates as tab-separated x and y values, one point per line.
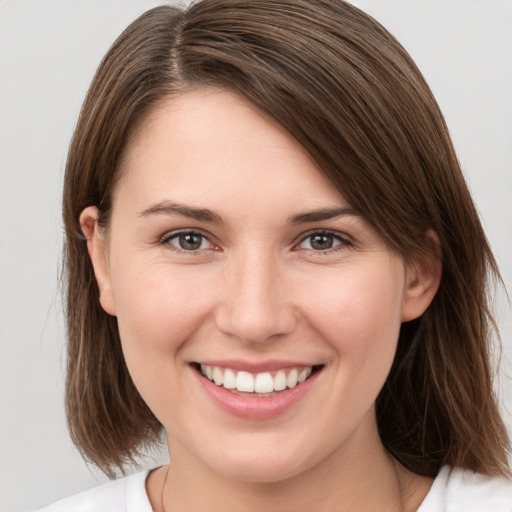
49	50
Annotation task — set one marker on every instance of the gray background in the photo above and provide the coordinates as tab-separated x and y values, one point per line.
49	50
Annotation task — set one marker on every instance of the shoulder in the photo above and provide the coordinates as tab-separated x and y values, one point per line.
123	495
459	490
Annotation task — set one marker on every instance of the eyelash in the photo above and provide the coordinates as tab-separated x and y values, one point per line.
166	240
344	242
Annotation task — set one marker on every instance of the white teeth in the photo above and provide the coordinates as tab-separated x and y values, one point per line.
280	381
218	377
245	382
291	380
303	375
229	379
261	383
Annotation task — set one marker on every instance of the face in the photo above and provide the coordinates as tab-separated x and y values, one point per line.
231	258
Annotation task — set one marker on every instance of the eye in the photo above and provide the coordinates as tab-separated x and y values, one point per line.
323	241
188	241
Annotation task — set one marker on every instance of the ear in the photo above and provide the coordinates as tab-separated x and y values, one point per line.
423	277
97	248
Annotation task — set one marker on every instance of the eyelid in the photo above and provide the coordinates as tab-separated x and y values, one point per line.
344	239
169	235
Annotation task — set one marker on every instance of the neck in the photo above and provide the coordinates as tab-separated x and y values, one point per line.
356	477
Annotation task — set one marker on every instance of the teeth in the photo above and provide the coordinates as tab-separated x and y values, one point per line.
303	375
245	382
218	377
291	380
261	383
280	381
229	379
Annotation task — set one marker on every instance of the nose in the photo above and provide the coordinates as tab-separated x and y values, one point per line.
255	306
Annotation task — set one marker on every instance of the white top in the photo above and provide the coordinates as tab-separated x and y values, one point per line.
454	490
458	490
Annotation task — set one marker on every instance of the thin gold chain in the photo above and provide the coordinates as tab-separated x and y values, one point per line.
162	506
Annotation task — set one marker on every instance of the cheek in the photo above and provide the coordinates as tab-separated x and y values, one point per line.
364	302
158	312
359	314
157	309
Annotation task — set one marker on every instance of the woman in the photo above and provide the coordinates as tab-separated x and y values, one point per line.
272	254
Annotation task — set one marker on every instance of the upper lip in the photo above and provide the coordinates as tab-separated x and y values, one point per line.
255	366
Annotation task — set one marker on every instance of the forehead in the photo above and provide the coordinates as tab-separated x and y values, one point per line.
215	145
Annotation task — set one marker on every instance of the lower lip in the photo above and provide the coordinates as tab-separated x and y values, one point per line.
256	408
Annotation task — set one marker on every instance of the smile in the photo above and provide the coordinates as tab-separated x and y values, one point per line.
261	384
255	391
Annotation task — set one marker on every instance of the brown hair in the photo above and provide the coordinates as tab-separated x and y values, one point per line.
352	96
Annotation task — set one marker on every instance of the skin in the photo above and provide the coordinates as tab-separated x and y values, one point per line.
257	289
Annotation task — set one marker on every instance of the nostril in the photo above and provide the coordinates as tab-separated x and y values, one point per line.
255	317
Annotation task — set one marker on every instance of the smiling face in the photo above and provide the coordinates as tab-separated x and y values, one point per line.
230	257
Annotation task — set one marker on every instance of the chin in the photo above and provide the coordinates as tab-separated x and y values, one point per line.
261	465
259	472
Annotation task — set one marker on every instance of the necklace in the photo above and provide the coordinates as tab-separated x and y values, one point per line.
162	506
163	487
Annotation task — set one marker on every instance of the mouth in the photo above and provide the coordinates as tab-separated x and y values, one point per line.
257	385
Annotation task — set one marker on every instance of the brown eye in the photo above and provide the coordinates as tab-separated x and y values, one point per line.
189	241
322	241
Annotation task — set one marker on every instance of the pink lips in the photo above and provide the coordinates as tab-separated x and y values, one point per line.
255	408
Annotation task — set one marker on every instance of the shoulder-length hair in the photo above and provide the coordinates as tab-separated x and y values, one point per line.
353	97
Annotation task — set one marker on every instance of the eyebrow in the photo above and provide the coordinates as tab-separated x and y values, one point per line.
323	214
206	215
200	214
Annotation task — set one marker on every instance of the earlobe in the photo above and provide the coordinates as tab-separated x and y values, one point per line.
423	278
97	249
